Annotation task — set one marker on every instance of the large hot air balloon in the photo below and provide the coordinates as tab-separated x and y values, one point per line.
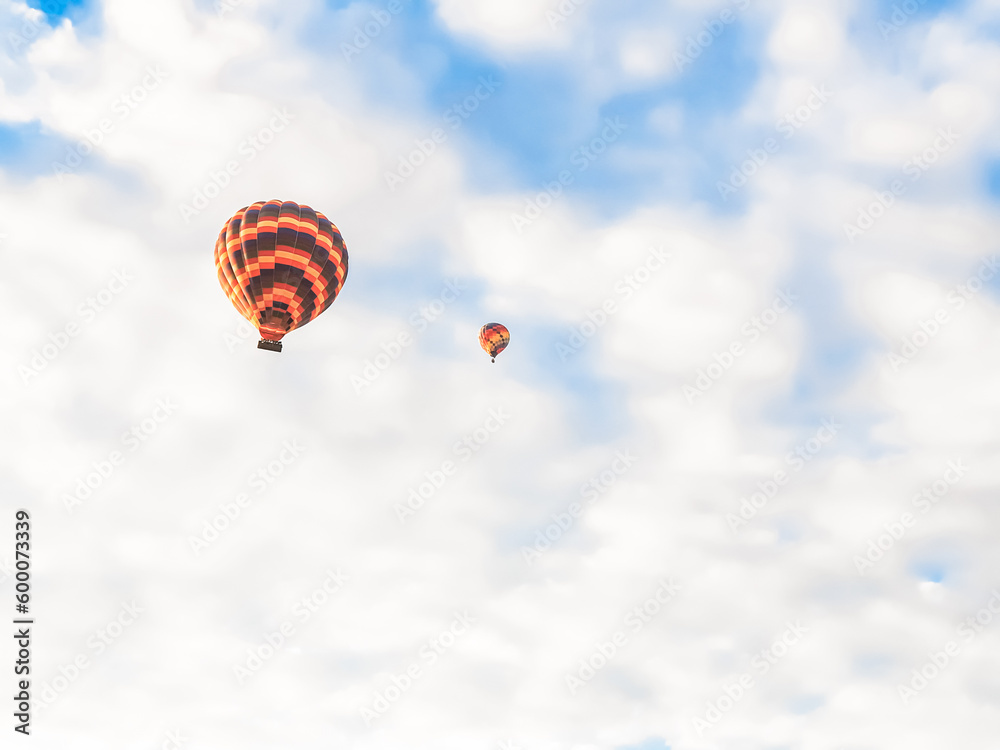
281	264
494	337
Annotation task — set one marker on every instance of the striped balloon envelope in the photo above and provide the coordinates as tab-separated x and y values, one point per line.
281	265
494	337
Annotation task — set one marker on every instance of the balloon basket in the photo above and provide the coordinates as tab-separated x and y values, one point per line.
271	346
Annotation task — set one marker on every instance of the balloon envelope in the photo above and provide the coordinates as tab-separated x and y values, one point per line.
494	337
281	265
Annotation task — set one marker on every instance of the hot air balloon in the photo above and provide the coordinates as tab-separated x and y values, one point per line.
494	337
281	264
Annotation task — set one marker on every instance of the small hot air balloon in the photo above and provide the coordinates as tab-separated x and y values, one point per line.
281	264
494	337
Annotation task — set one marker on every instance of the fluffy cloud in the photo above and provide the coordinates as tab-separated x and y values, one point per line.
662	489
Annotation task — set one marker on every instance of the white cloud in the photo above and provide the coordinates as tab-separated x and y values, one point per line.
514	25
648	54
811	34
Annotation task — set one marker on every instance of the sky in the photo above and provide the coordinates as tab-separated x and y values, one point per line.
732	484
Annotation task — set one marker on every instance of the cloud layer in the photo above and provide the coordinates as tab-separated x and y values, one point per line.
730	484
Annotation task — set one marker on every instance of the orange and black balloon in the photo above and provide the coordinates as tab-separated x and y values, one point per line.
281	264
494	337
